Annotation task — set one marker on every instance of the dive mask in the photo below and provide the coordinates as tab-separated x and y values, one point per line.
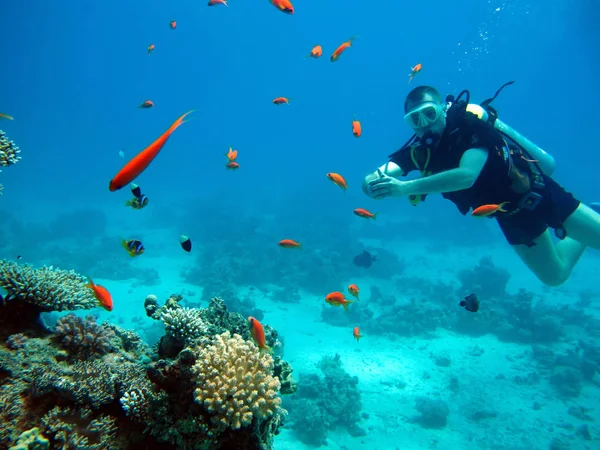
424	115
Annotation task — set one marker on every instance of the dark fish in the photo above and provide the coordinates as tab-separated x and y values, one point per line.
135	190
470	303
133	247
19	256
185	242
365	259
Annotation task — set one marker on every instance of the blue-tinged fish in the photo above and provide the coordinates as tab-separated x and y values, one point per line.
470	303
365	259
133	247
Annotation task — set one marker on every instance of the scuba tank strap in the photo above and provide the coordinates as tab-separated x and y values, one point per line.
486	104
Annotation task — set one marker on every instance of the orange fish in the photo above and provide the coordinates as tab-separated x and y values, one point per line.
486	210
281	100
338	51
353	289
142	160
338	179
173	24
356	128
316	52
258	334
150	48
101	294
337	299
217	2
147	104
232	154
413	71
289	243
283	6
6	116
356	333
361	212
232	165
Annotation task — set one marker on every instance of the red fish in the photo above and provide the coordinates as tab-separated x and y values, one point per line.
353	289
486	210
150	48
173	24
6	116
361	212
338	179
142	160
337	299
338	51
356	128
288	243
258	334
232	154
356	333
414	71
283	6
316	52
232	165
217	2
147	104
101	294
281	100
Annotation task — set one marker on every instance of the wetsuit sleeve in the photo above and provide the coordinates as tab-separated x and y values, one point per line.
403	160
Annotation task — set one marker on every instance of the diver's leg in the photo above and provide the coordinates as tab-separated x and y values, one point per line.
552	264
583	225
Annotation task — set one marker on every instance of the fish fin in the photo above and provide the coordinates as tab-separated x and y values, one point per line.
346	303
501	206
375	216
352	39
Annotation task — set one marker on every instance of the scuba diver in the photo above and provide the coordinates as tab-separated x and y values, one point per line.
139	200
478	162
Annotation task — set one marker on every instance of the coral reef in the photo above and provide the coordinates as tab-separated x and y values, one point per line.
32	291
184	324
96	386
325	403
234	382
9	151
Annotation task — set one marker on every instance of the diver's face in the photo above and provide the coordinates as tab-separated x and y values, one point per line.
426	116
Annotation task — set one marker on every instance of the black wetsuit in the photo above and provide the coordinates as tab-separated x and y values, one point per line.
493	186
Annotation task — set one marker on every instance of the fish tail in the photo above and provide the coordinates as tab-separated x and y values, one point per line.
90	283
128	203
500	207
346	303
352	39
375	216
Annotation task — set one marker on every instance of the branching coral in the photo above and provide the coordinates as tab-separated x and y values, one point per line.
83	338
9	151
235	382
185	324
48	288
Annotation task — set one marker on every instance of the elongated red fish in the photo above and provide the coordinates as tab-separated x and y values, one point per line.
142	160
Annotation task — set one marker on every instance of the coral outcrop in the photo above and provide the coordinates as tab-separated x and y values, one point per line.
9	151
235	382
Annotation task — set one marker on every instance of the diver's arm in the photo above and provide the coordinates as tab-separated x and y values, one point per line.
389	168
463	177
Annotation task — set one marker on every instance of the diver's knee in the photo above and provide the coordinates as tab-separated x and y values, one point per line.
554	280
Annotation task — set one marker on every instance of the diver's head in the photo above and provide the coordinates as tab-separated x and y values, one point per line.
425	111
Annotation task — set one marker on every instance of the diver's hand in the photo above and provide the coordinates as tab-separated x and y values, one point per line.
385	186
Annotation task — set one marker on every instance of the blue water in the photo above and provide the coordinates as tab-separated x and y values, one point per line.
73	74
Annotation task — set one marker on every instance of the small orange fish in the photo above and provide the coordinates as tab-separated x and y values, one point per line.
6	116
147	104
353	289
289	243
281	100
338	179
232	154
142	160
173	24
150	48
316	52
258	334
337	299
356	333
414	71
361	212
356	128
486	210
232	165
101	294
338	51
283	6
217	2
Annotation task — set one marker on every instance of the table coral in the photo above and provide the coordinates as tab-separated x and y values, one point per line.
235	382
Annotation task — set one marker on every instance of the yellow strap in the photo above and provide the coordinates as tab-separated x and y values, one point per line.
416	199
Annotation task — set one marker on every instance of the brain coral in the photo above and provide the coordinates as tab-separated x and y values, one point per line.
47	288
235	382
